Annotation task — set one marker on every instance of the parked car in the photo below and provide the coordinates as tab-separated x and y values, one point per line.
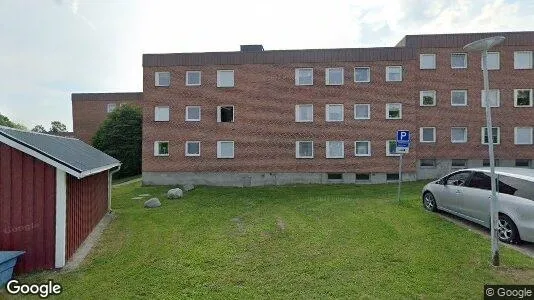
467	194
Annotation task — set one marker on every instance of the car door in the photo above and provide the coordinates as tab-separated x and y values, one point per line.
474	201
452	188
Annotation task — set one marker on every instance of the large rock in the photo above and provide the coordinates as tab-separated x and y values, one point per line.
188	187
152	203
175	193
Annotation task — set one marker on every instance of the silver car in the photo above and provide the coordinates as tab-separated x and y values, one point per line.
467	194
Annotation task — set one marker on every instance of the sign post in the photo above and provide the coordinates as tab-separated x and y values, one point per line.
402	147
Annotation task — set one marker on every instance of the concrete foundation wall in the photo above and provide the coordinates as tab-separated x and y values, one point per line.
258	179
444	166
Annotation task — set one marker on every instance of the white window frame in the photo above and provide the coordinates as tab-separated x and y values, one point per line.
388	108
219	113
516	92
156	148
192	154
219	148
490	135
158	111
189	119
517	66
329	155
516	129
187	83
465	60
459	141
157	80
387	148
297	149
455	104
219	84
111	107
388	68
368	112
368	148
489	64
297	113
368	74
297	77
327	75
421	129
423	93
482	93
422	67
327	112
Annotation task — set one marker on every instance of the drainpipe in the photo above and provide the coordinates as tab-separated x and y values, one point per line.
110	178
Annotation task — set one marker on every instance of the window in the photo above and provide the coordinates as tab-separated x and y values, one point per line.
362	176
122	104
225	149
522	163
459	98
486	162
459	178
394	111
192	113
391	148
523	98
494	61
516	187
304	149
523	135
225	114
334	76
459	163
427	134
494	98
334	112
225	78
192	148
392	176
335	149
459	60
111	107
304	76
304	113
362	148
427	163
334	176
458	135
394	73
480	180
522	60
161	148
362	74
163	78
362	111
193	78
161	113
427	61
427	98
495	132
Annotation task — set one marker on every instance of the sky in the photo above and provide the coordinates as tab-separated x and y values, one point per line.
52	48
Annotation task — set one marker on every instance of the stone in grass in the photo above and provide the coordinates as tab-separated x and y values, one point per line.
188	187
175	193
152	203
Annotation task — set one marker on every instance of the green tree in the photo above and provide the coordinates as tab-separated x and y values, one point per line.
57	126
5	121
39	128
120	136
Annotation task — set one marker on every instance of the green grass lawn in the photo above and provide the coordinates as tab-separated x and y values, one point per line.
318	241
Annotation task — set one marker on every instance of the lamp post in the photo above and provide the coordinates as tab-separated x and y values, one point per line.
483	45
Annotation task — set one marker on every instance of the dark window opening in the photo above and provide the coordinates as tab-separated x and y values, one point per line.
335	176
522	163
392	176
459	163
428	163
485	163
227	114
362	177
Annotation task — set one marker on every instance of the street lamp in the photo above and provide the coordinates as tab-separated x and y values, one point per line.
483	45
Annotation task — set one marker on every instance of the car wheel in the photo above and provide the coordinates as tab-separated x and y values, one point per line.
429	202
506	230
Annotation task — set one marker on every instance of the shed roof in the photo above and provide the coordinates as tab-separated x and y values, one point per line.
68	154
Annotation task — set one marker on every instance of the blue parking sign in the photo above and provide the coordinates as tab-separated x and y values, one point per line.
403	135
403	141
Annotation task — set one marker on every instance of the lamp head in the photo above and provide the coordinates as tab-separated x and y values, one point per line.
484	44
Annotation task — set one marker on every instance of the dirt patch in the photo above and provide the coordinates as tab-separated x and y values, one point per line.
280	224
240	225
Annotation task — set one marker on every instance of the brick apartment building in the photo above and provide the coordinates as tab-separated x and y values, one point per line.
89	110
255	117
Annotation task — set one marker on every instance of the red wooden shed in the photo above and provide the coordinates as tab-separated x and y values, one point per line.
53	192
